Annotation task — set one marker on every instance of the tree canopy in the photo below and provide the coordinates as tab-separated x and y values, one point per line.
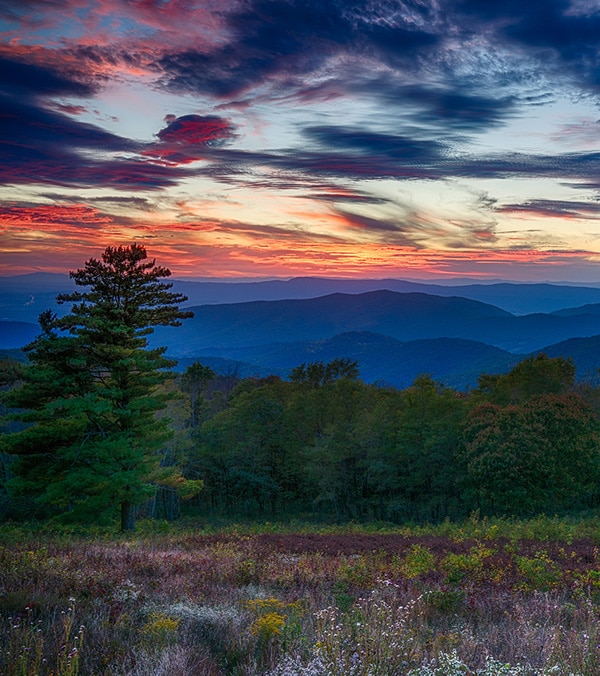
317	374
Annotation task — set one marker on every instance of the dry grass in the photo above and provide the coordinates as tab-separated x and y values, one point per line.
292	604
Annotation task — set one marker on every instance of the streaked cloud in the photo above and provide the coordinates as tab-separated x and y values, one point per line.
292	136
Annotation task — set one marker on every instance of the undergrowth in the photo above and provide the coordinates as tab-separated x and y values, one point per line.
480	598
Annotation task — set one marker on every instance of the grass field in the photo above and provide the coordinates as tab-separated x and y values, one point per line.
475	598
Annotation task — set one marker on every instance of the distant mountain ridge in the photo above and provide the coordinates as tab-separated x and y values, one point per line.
394	336
452	361
24	297
589	309
406	317
387	361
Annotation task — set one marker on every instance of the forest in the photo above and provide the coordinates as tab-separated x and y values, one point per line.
324	445
97	424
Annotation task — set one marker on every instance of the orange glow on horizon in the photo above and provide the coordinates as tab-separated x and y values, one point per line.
60	237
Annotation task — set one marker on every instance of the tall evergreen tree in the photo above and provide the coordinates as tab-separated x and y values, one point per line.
93	391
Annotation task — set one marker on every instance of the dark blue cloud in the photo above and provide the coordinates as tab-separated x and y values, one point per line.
60	164
366	143
512	9
395	43
26	79
338	152
41	145
27	124
573	37
454	106
578	166
283	38
556	208
331	152
224	74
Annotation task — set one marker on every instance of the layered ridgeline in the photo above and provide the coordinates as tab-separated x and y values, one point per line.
404	316
24	297
381	359
394	336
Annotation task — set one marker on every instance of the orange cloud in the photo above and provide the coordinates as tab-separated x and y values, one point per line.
59	237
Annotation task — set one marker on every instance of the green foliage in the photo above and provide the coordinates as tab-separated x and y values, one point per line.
346	450
194	383
418	561
92	392
446	601
538	572
470	565
531	457
317	374
532	377
10	371
426	435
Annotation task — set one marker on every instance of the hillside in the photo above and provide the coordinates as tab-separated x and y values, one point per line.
405	317
589	309
454	362
585	353
24	297
510	296
394	336
17	334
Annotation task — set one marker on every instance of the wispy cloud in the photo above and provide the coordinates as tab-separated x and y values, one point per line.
333	127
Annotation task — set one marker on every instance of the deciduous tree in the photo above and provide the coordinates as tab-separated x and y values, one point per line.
317	374
194	382
532	377
541	455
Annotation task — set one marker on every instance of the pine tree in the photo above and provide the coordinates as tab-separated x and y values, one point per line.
93	392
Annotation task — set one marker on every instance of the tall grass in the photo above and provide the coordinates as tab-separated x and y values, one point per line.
478	598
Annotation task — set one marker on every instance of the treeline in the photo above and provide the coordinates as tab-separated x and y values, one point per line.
98	427
327	445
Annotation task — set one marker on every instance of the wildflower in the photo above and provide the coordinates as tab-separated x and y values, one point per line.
268	625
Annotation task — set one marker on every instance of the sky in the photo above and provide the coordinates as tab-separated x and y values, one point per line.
420	139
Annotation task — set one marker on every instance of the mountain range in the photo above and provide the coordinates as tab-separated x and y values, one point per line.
452	361
394	335
404	316
383	360
24	297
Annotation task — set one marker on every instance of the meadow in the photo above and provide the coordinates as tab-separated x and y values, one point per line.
483	597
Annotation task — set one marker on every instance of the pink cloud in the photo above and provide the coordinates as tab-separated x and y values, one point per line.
185	139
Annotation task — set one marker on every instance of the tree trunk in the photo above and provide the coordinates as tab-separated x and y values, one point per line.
127	517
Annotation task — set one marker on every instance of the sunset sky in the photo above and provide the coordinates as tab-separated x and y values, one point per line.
279	138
